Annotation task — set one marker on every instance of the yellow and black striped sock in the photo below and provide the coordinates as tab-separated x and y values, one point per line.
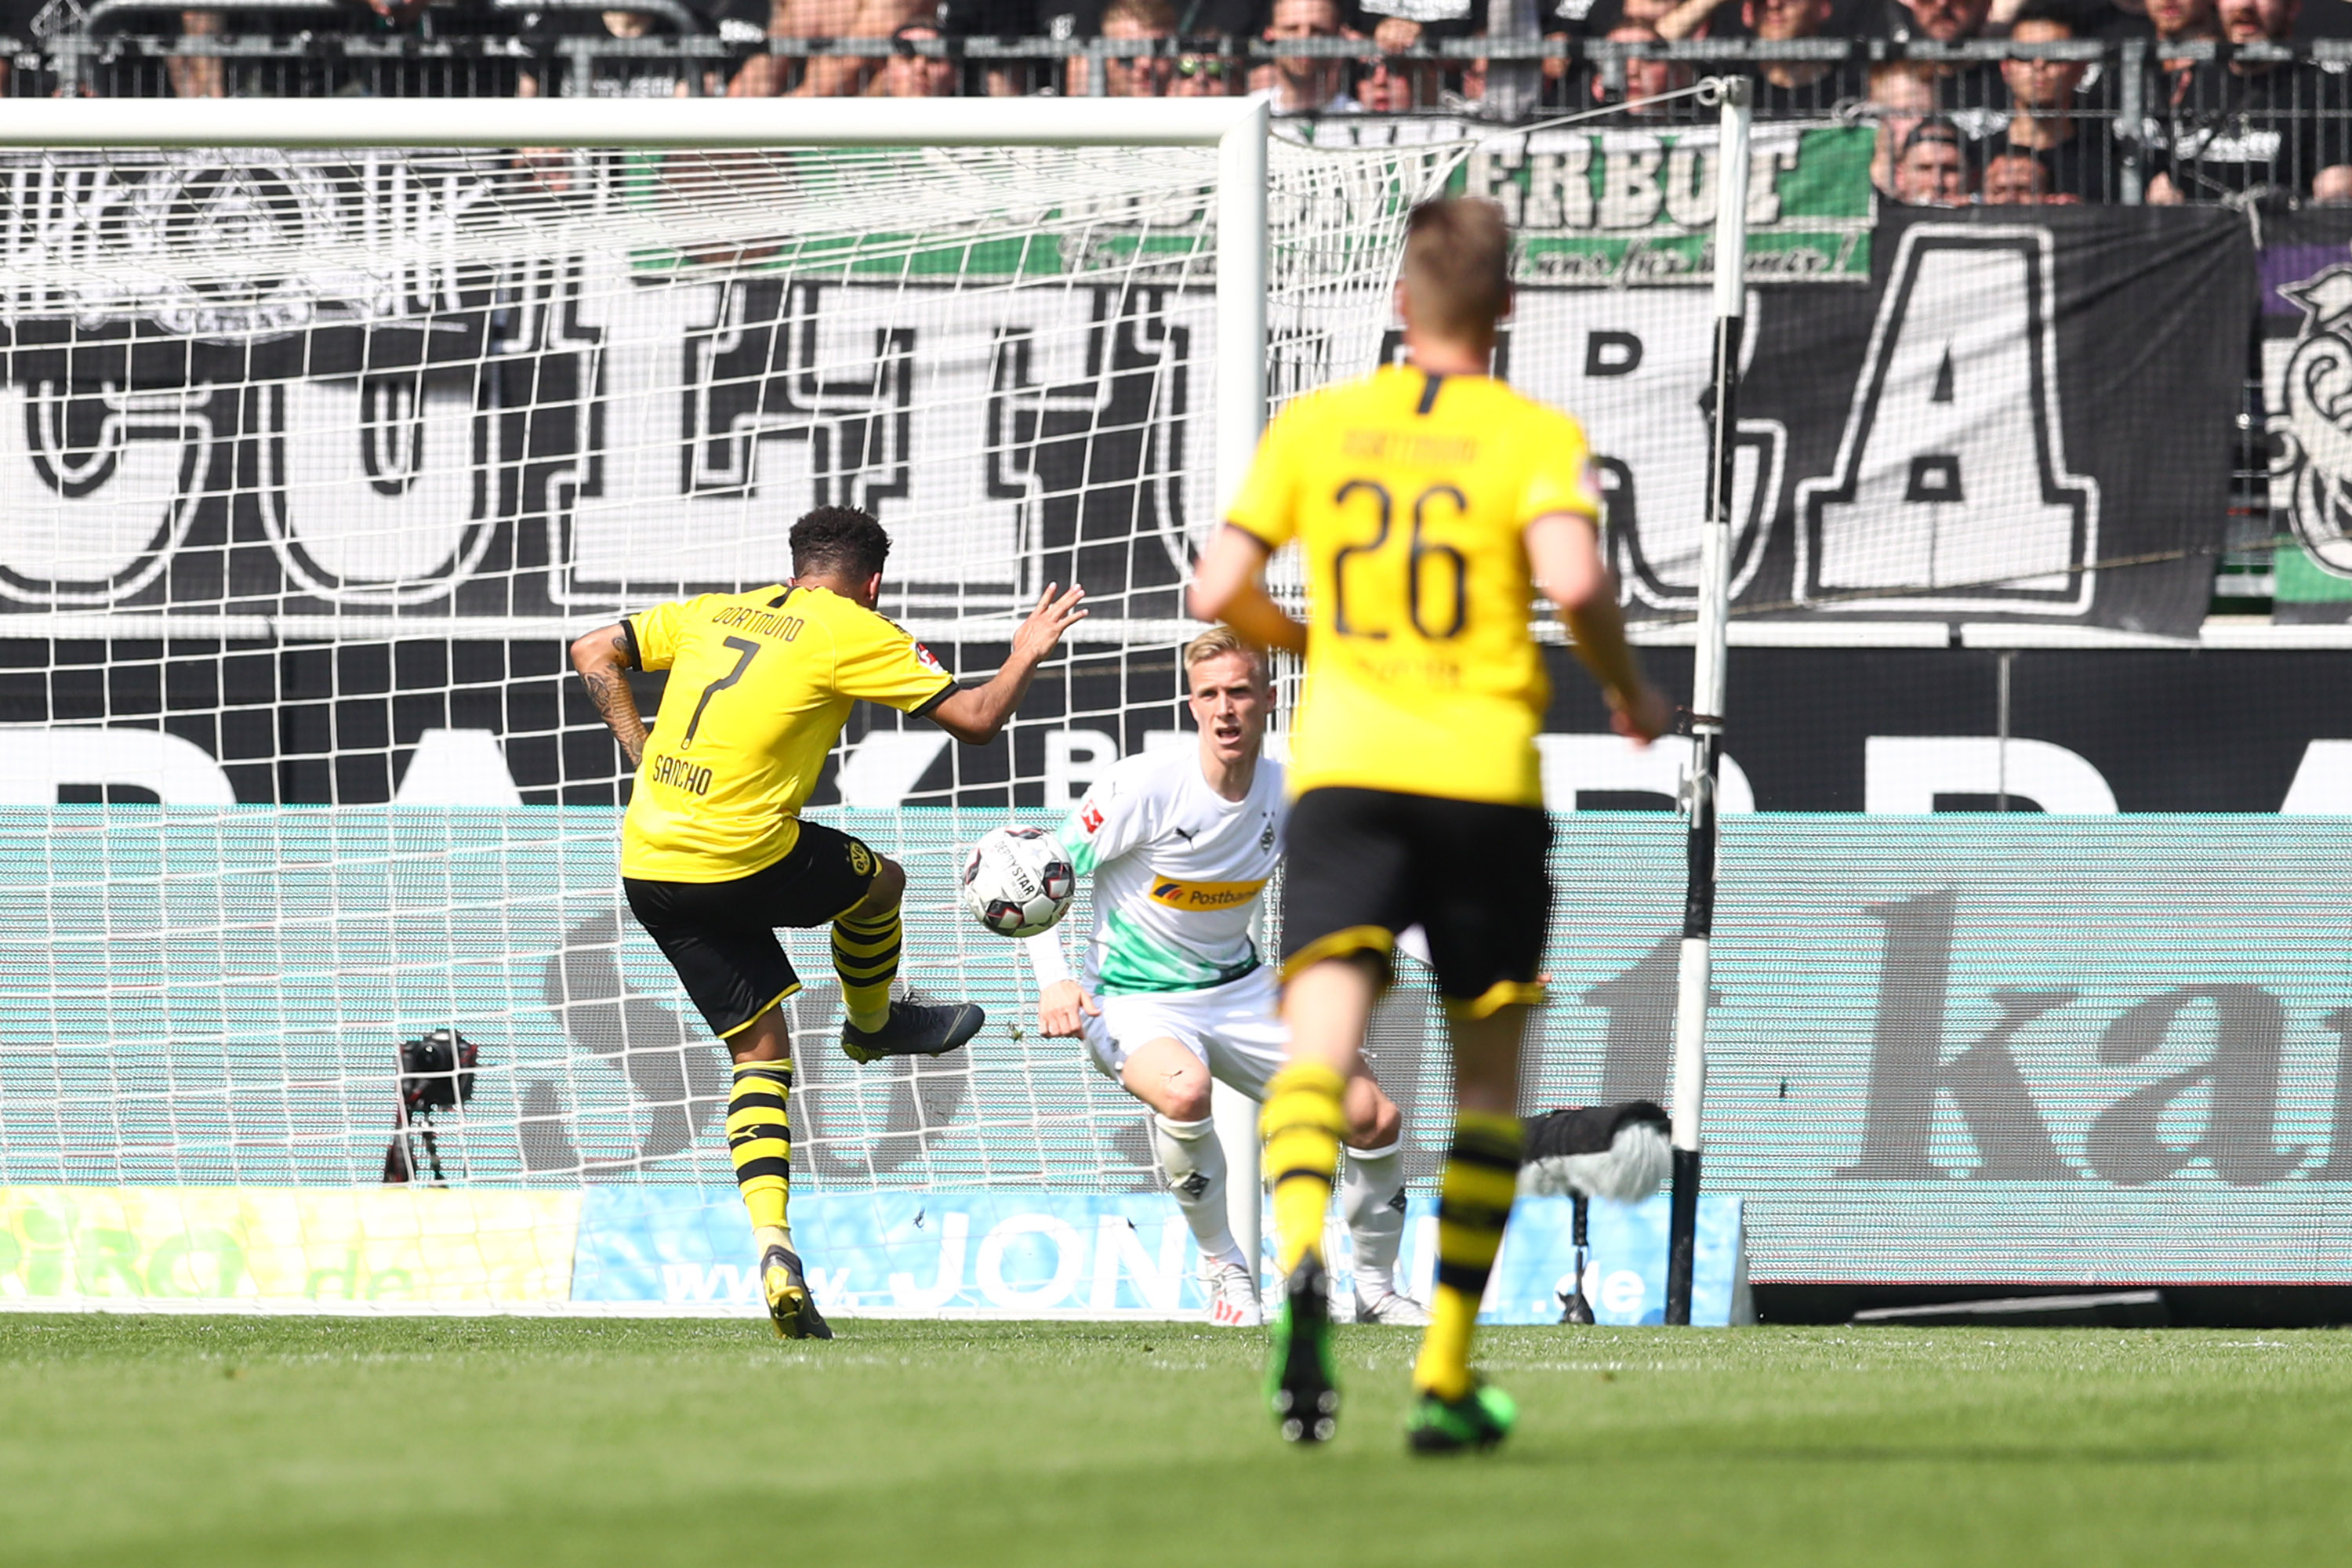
866	956
759	1137
1302	1123
1473	1204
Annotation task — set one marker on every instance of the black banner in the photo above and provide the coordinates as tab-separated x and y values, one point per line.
1833	730
2022	419
2019	417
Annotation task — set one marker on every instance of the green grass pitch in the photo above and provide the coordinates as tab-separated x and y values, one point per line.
434	1443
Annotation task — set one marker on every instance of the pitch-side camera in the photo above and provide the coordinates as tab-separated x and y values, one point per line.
436	1074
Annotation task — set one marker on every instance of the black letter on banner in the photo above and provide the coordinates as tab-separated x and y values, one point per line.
2124	1144
1907	1069
1612	353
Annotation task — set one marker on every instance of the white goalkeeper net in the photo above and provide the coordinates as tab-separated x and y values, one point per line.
310	463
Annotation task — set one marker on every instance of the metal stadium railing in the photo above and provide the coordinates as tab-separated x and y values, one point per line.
2199	121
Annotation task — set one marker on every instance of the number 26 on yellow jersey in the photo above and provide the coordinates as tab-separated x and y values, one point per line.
1437	610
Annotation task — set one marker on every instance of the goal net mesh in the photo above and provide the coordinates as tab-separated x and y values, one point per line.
311	465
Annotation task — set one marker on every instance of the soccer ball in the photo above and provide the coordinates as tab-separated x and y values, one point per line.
1018	881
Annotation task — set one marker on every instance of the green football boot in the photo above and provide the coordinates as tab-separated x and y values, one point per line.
1299	1388
1475	1421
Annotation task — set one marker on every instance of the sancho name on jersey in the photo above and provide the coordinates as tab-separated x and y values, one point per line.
759	684
1409	493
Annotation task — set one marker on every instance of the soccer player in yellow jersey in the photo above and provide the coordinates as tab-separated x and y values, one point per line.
1433	503
714	856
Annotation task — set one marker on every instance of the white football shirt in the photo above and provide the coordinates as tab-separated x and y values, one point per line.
1177	872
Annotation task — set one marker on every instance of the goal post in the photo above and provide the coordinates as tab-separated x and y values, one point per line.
1694	964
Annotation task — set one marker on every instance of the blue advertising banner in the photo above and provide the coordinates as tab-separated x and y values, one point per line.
1038	1254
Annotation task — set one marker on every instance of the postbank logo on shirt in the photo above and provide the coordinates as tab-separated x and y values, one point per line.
1181	895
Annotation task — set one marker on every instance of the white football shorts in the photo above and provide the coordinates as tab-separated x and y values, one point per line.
1235	1027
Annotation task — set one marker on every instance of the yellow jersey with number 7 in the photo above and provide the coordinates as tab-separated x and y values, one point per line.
759	684
1409	494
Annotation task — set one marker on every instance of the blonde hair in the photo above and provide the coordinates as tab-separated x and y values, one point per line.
1218	641
1457	265
1159	16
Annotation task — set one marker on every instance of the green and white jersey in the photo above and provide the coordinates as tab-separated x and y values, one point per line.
1177	872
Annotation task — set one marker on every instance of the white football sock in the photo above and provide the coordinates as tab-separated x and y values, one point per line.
1371	1200
1195	1164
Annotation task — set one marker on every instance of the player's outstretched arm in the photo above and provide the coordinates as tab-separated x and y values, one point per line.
1225	587
601	657
1062	1005
976	715
1564	548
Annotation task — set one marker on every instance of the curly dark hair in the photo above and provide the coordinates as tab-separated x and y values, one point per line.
839	539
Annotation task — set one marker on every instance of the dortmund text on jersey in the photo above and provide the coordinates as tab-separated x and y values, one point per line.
1409	494
759	684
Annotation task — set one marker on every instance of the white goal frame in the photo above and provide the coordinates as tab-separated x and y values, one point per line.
1237	127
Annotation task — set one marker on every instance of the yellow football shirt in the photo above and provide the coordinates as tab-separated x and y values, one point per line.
760	685
1409	494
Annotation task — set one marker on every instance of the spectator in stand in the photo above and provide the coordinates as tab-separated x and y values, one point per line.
323	69
1902	94
652	76
1303	85
2080	155
828	76
2241	128
2178	22
1645	79
2015	180
1932	170
1132	22
1673	20
1939	21
910	73
1066	21
1396	25
1788	88
1208	76
1969	93
1389	85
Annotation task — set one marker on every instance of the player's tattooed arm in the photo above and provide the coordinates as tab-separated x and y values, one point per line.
601	657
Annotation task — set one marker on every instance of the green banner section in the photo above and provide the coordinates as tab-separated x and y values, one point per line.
1593	207
1619	208
2303	579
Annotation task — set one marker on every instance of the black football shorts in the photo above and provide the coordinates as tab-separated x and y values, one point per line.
1361	865
720	937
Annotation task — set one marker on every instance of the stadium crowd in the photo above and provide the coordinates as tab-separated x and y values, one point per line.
1991	100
